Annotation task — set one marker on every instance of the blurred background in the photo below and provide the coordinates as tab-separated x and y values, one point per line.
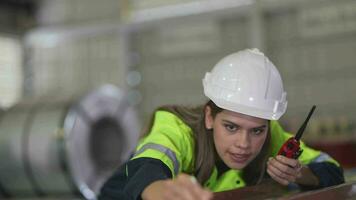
80	78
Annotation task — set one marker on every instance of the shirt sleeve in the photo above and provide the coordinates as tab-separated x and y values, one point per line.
328	174
170	140
129	181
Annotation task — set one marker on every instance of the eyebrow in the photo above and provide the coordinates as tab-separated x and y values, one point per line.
258	127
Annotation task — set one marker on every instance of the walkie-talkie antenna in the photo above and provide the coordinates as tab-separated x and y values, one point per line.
304	125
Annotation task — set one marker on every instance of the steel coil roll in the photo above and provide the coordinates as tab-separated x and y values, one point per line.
65	149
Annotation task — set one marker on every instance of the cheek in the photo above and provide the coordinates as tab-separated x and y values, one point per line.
258	143
220	139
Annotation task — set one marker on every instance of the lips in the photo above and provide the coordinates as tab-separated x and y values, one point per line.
239	158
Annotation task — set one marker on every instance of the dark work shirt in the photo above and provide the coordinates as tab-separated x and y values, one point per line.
140	173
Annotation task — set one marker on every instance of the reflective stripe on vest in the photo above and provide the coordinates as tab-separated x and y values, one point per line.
168	152
322	158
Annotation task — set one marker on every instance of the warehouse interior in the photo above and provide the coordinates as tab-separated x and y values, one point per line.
108	64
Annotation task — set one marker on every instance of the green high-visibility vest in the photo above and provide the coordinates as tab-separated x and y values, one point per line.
171	141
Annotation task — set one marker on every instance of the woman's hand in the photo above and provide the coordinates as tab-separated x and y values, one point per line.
184	187
284	170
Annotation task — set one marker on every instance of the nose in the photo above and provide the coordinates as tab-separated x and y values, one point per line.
242	140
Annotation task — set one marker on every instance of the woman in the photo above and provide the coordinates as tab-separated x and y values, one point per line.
228	143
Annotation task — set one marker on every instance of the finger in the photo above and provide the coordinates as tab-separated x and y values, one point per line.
283	167
192	187
288	161
172	191
183	184
299	171
299	166
281	174
199	191
279	167
207	195
276	178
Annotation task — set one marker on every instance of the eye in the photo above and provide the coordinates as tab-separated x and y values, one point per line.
258	131
230	127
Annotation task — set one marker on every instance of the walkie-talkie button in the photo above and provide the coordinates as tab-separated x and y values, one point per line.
290	146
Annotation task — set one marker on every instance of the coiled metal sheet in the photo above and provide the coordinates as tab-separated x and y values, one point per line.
66	149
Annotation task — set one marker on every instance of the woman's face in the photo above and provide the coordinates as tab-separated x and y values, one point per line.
238	138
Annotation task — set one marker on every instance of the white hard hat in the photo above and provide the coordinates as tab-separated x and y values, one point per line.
247	82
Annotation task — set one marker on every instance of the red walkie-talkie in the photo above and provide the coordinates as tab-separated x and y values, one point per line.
290	148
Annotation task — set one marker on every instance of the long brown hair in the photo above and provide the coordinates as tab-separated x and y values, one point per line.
205	152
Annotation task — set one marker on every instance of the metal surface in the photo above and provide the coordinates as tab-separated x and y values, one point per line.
57	149
93	146
12	167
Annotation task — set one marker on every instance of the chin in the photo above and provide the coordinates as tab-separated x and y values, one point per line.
237	166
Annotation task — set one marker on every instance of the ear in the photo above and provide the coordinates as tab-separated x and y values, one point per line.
209	120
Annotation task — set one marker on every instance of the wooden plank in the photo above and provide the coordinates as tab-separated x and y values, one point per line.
343	191
272	190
